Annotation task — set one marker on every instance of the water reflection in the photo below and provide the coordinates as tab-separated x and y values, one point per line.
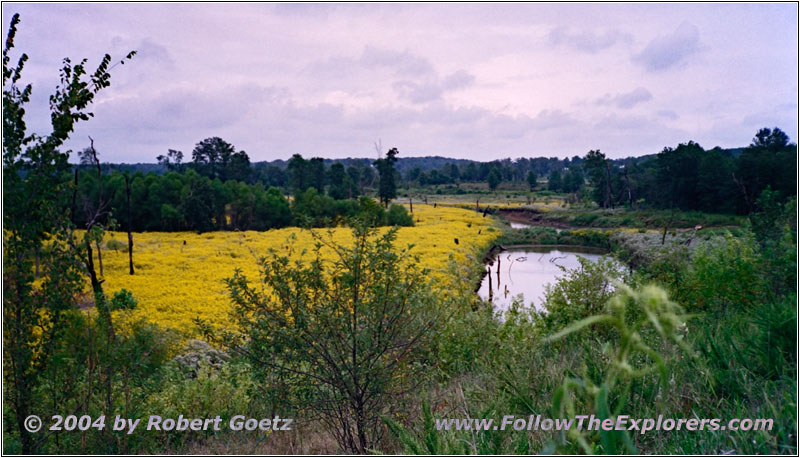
526	272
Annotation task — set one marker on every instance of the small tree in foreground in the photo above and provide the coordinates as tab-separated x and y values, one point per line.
348	333
37	230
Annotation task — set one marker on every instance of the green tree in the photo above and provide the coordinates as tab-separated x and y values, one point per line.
770	160
173	160
599	170
316	173
37	225
271	210
531	179
387	187
299	179
216	158
554	181
341	185
716	192
493	179
354	333
198	203
573	179
676	175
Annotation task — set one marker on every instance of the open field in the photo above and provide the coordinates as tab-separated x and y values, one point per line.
179	275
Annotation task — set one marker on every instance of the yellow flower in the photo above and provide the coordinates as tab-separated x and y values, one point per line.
179	275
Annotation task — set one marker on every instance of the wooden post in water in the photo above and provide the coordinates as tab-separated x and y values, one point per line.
498	271
489	274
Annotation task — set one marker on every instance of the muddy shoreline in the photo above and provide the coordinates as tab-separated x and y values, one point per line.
532	217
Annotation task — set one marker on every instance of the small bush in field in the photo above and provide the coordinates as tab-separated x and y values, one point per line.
398	216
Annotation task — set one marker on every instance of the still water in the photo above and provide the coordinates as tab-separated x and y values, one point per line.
527	271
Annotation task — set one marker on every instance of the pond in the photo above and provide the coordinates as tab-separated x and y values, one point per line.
526	271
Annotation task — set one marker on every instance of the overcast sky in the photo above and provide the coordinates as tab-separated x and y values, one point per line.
477	81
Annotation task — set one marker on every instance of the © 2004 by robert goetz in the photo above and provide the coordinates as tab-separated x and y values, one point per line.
157	423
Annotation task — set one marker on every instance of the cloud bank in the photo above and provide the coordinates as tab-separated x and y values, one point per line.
462	80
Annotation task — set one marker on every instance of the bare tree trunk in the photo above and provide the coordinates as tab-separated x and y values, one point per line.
99	256
130	236
744	193
628	185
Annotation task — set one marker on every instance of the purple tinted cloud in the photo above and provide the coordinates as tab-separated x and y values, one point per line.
586	40
670	50
626	100
480	81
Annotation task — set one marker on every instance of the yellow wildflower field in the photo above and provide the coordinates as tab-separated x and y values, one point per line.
179	275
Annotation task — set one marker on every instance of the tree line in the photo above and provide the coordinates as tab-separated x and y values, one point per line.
689	177
219	189
686	177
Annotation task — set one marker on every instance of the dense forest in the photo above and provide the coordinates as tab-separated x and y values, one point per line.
220	189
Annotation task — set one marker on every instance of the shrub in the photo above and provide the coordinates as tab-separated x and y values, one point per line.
345	337
398	216
116	245
580	293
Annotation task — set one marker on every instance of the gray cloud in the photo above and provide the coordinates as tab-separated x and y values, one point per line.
432	88
667	114
586	40
403	63
458	80
626	100
622	123
155	52
551	119
670	50
418	92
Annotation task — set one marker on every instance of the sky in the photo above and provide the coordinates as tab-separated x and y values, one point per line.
474	81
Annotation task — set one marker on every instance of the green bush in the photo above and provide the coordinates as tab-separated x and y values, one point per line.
224	391
580	292
398	216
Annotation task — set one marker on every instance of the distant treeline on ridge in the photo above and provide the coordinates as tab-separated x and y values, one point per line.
220	189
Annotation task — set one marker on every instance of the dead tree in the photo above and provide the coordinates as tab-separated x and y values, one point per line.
130	235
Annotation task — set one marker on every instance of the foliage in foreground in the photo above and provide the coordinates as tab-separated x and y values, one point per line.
742	297
346	339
